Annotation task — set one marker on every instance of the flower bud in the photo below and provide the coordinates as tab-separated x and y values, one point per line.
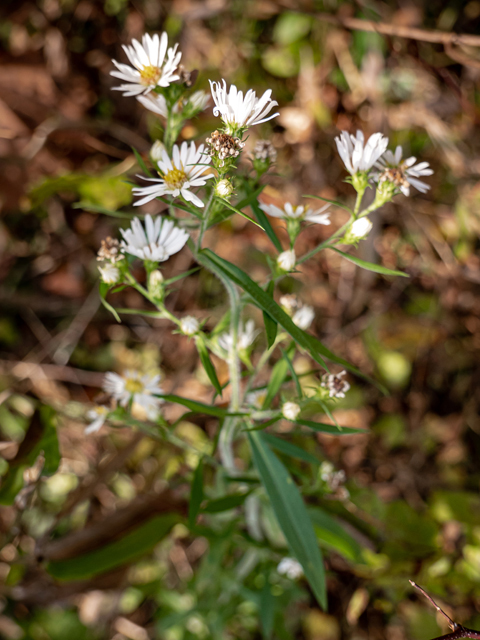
358	231
156	151
155	284
224	189
189	325
290	410
286	260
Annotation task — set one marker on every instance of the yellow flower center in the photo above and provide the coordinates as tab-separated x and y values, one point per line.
134	386
175	178
150	75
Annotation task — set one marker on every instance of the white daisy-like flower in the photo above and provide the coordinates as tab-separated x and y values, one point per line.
289	212
238	111
149	67
256	398
97	415
159	240
178	175
291	568
155	103
132	386
290	410
246	336
358	156
287	260
109	273
189	325
303	317
403	173
360	229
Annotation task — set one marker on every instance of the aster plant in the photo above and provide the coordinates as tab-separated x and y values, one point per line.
201	185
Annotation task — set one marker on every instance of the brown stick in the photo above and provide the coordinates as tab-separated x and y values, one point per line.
458	630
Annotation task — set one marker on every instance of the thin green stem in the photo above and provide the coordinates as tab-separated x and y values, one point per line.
324	245
358	202
164	313
204	224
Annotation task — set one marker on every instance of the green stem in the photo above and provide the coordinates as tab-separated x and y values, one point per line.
204	224
162	310
358	202
324	245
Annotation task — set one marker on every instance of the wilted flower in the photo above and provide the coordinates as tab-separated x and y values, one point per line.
359	230
333	479
133	387
265	151
245	337
157	242
290	410
291	568
224	146
149	68
109	273
178	175
358	156
402	173
256	398
337	387
189	325
97	415
299	213
224	188
109	250
239	112
286	260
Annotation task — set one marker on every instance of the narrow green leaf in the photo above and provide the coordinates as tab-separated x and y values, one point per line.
329	428
267	609
196	494
333	535
270	324
369	266
241	213
208	364
277	377
180	276
291	513
290	449
95	208
129	548
265	222
293	374
200	407
225	503
49	441
141	163
12	484
103	289
251	197
335	202
330	414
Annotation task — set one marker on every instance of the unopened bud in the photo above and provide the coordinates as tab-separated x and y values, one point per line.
189	325
290	411
224	188
286	260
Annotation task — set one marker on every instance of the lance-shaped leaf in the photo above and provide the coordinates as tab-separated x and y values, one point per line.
270	324
207	363
313	346
196	494
291	513
328	428
369	266
265	222
200	407
290	449
277	377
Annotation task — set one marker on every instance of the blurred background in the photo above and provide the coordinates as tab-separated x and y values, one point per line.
410	500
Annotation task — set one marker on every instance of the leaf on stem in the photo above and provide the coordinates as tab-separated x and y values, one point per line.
267	227
277	378
207	363
196	494
289	449
291	513
141	163
200	407
369	266
321	427
270	324
335	202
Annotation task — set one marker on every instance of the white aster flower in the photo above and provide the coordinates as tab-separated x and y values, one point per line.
132	386
290	410
97	415
157	242
178	175
149	67
246	336
238	111
291	568
402	173
300	213
303	317
109	273
189	325
155	103
286	260
358	156
256	398
360	229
